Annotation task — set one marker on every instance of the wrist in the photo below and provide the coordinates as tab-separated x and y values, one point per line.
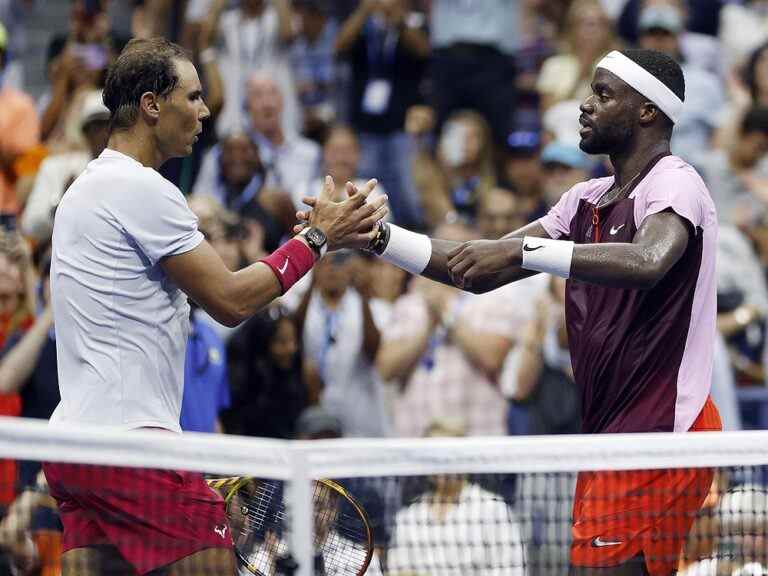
515	251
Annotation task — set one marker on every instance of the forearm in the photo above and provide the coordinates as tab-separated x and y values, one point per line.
20	361
371	334
213	84
398	358
415	41
437	270
528	370
248	291
284	21
55	108
485	351
351	29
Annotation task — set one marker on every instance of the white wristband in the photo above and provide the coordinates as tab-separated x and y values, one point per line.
547	255
407	250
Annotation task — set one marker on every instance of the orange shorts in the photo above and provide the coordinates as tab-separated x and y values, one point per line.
618	515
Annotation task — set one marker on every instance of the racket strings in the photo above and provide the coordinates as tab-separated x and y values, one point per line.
342	536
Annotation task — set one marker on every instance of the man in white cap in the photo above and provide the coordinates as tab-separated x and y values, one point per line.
638	249
57	172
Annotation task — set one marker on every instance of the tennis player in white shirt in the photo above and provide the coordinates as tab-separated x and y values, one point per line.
126	254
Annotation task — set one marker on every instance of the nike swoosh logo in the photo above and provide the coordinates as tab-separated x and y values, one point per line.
600	543
531	248
284	267
615	229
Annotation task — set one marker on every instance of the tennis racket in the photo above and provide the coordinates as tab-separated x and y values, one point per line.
343	537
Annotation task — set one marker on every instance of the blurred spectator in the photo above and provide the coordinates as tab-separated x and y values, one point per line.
587	36
240	186
444	349
316	423
28	368
77	64
13	15
314	66
541	377
265	370
58	171
289	160
19	133
340	331
737	177
564	167
238	242
747	87
523	170
341	158
742	302
255	36
701	544
31	531
660	27
239	173
560	123
453	182
425	539
743	27
15	319
387	49
473	43
206	383
501	212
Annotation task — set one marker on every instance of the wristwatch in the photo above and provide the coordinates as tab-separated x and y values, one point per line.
316	240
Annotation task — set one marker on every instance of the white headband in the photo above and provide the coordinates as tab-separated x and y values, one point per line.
644	82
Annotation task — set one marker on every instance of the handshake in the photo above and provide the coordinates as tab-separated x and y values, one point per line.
352	222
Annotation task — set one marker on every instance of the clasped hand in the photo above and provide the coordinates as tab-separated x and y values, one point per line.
349	223
470	263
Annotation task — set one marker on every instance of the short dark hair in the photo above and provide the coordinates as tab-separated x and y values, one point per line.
144	65
664	68
755	120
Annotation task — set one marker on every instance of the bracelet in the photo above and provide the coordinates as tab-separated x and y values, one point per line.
406	249
547	255
379	243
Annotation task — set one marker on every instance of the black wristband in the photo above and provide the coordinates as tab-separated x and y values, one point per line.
379	244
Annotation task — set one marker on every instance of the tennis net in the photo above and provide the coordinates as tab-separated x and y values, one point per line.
697	503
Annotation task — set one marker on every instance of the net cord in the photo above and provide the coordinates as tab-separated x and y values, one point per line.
354	458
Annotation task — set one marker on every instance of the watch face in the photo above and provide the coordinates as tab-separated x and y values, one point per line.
316	237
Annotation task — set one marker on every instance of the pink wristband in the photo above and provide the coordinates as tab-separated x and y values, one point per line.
290	262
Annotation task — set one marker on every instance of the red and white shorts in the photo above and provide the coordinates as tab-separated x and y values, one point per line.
619	515
153	517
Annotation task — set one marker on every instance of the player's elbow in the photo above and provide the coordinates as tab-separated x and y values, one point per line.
649	276
227	314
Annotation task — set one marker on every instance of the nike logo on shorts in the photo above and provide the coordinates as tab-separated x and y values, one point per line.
284	267
531	248
600	543
615	229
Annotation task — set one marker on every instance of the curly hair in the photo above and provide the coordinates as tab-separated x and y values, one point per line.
144	65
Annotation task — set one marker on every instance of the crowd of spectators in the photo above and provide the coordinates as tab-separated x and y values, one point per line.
466	112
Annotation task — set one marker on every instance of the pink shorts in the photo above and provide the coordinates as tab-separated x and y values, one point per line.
153	517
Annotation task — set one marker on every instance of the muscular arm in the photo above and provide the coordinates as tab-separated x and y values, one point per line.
437	269
656	247
640	264
230	297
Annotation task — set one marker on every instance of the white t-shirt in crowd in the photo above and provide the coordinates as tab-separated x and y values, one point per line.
121	323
